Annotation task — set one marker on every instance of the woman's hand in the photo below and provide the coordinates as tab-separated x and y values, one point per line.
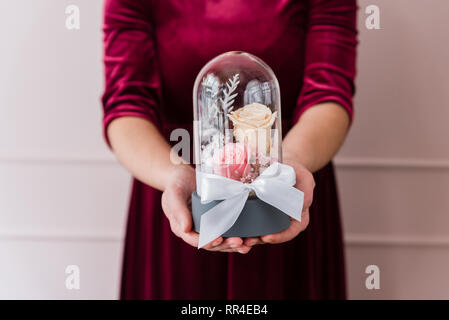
305	183
176	200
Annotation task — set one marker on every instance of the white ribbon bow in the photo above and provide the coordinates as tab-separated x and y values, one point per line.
274	186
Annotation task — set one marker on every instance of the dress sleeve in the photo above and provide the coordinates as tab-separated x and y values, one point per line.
330	55
132	84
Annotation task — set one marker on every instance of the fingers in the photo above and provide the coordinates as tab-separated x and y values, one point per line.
219	244
291	232
213	244
252	241
306	183
228	245
243	250
181	212
191	238
174	204
233	244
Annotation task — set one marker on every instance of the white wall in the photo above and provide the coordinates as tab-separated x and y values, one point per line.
63	198
393	171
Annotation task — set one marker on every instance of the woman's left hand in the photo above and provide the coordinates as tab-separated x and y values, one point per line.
305	183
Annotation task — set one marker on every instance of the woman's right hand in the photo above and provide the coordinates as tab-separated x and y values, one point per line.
175	203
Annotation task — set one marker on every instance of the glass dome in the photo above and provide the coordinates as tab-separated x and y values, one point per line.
237	117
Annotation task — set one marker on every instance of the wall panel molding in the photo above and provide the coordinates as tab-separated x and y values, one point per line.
350	240
391	163
58	159
61	236
340	162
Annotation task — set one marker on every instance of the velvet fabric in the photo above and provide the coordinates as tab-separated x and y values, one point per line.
153	51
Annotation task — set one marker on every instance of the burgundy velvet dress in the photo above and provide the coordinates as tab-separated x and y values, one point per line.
153	52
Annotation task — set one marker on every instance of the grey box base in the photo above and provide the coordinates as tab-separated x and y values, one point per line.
258	218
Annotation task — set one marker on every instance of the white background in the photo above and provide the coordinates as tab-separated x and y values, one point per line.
63	197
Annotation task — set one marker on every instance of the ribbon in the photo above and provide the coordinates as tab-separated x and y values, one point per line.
274	186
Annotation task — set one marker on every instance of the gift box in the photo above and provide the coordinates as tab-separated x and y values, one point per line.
243	189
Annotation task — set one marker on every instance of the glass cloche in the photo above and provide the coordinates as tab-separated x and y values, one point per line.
237	117
237	136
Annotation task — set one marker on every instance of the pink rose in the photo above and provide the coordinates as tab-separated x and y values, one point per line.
231	161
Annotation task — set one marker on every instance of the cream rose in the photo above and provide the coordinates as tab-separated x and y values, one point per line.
252	125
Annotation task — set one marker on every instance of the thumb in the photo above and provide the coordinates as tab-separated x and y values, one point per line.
181	212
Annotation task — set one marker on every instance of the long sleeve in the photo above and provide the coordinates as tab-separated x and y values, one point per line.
132	84
330	55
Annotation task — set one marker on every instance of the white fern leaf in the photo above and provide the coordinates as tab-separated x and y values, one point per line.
229	104
233	96
228	95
